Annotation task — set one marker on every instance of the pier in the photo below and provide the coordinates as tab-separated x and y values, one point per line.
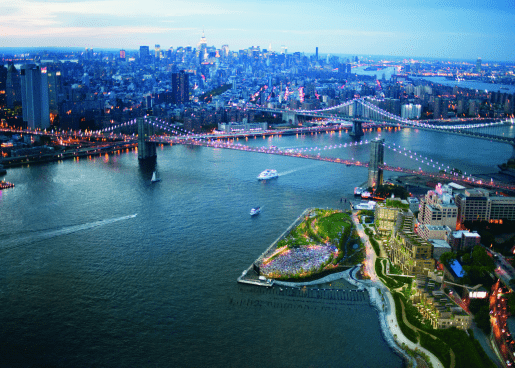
250	276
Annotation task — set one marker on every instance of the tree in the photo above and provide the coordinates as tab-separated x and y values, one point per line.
447	258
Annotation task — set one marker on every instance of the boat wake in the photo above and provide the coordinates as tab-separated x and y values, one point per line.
49	234
297	169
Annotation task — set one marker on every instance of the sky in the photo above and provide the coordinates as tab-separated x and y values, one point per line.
416	28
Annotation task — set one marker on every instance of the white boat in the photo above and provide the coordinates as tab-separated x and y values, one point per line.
268	174
255	211
358	191
365	194
155	177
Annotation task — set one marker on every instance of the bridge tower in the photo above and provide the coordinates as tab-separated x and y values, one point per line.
290	117
375	173
146	150
357	130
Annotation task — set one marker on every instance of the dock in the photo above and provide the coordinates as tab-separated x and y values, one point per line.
250	276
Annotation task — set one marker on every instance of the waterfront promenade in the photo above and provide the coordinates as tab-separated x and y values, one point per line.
382	300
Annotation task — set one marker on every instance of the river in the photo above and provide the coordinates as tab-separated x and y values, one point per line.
99	267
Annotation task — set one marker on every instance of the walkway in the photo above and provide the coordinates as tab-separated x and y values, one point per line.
386	306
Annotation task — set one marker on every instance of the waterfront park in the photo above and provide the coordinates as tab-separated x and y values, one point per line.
323	242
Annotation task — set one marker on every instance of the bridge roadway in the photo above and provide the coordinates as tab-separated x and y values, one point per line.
274	151
396	121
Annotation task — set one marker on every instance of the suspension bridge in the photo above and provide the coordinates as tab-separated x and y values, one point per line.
350	115
147	140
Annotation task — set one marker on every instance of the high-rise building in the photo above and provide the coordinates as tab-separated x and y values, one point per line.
440	108
12	87
3	83
144	54
438	208
122	55
54	90
157	51
478	65
375	173
180	87
202	48
34	96
316	53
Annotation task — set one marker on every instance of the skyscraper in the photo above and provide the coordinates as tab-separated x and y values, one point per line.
202	48
122	55
157	50
316	53
3	82
13	87
478	65
54	89
180	87
375	173
34	96
144	54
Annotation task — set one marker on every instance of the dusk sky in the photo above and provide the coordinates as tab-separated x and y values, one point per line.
439	28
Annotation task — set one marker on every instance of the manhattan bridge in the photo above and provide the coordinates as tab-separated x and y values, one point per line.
352	116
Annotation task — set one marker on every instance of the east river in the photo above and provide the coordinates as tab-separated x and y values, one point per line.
84	282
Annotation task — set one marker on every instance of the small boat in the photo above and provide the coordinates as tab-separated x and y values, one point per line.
155	177
268	174
255	211
366	194
358	191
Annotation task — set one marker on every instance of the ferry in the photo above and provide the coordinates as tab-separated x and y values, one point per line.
358	191
268	174
365	194
255	211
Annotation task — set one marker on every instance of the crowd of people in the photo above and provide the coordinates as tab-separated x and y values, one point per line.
300	260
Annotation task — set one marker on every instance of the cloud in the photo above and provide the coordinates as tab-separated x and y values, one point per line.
111	31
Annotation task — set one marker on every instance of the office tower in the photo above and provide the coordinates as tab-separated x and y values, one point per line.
478	65
180	87
316	53
3	82
122	55
54	89
34	96
202	47
144	54
375	173
440	108
225	51
13	87
349	68
157	50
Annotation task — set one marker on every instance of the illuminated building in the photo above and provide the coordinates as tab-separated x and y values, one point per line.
3	82
157	52
375	173
436	306
54	89
34	96
410	252
180	87
478	65
438	208
122	55
12	87
202	48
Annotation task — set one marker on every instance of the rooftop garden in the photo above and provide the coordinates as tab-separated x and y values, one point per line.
396	204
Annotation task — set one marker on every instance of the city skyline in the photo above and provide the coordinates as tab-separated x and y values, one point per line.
463	30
